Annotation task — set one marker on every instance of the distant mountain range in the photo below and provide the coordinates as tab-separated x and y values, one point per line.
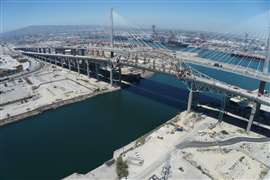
47	29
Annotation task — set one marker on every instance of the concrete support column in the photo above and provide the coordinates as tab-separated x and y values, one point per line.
111	75
260	92
222	110
87	68
55	62
97	71
69	65
62	63
112	54
78	66
261	87
251	117
120	76
190	98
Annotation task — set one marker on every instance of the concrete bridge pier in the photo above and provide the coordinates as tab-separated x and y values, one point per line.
62	63
260	92
78	65
97	71
111	75
112	56
222	110
69	65
251	117
256	107
192	100
47	60
55	62
87	68
120	76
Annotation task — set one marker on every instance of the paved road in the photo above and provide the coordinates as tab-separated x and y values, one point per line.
200	144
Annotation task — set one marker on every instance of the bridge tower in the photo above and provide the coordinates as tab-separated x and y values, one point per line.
112	46
265	64
192	98
118	67
112	29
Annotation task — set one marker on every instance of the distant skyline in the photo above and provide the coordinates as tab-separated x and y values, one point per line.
207	15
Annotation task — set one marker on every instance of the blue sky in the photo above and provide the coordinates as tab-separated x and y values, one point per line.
213	15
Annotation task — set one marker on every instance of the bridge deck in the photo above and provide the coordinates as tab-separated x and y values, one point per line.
190	58
243	71
166	68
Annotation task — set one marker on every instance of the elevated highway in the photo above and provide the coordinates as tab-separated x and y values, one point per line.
162	62
240	70
193	58
169	68
186	57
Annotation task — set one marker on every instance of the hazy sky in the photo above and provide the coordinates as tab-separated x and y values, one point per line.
213	15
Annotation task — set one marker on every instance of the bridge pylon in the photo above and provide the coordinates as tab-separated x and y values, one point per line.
252	115
97	71
262	84
112	47
120	76
111	74
87	68
192	98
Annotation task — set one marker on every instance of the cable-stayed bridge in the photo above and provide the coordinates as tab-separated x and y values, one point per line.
144	56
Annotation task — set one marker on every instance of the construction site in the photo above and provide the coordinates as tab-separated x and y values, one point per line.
23	95
190	146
